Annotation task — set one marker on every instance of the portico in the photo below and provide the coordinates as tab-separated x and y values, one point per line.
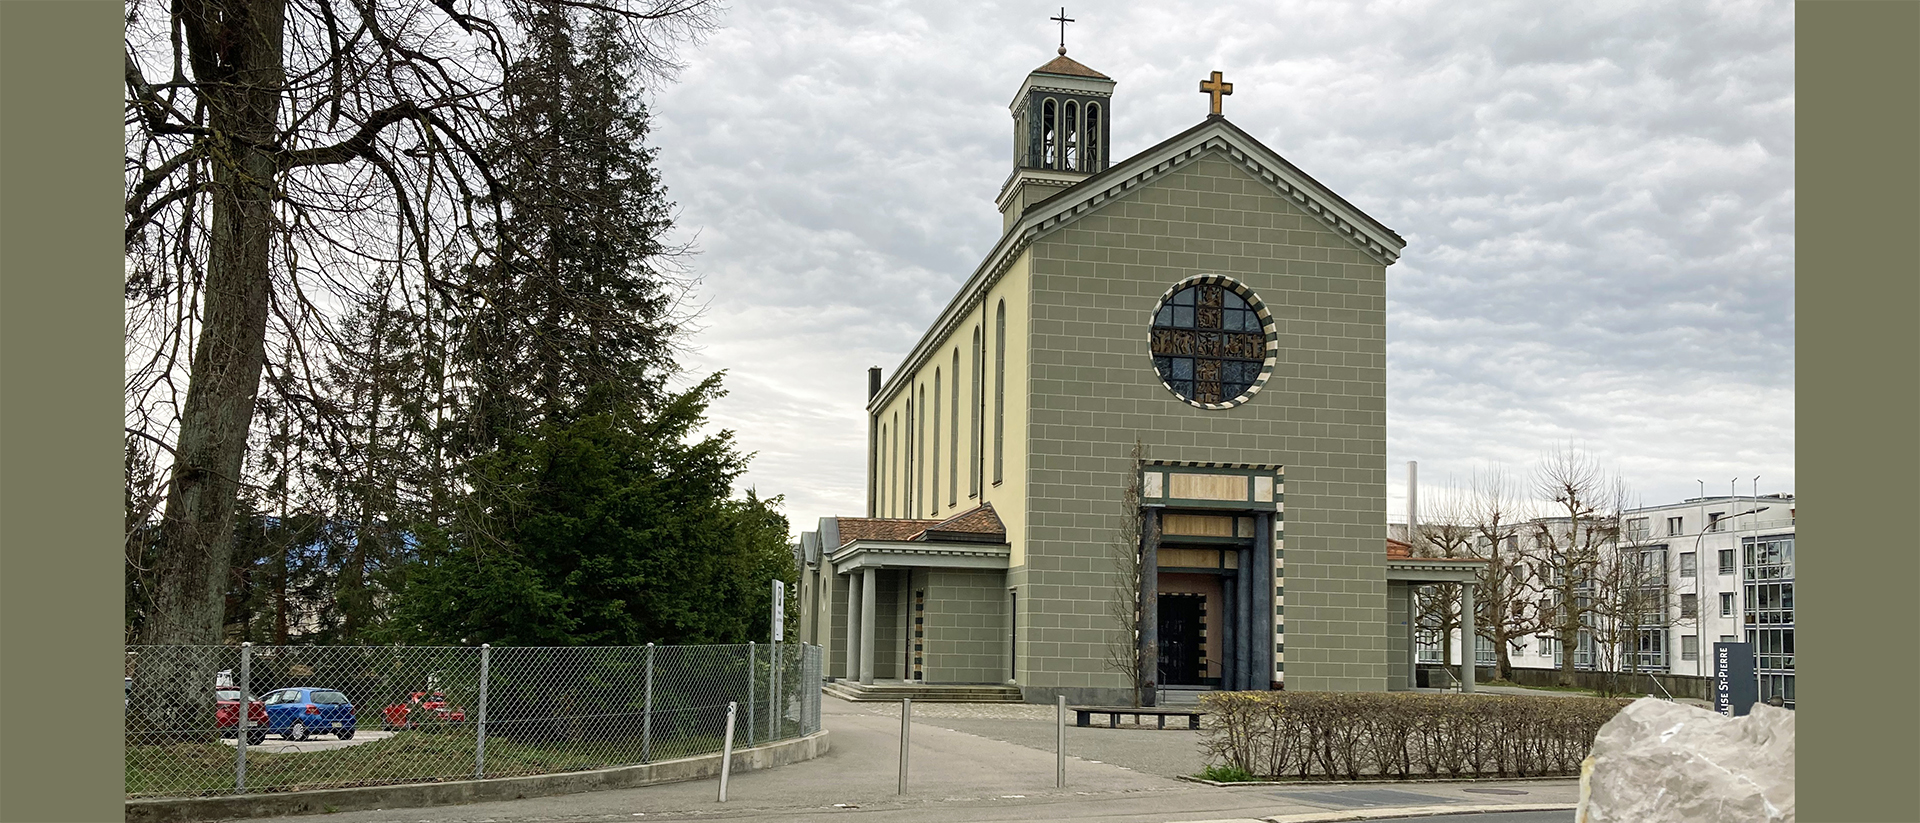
1406	574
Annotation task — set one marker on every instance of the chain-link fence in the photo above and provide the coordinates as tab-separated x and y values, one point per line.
211	720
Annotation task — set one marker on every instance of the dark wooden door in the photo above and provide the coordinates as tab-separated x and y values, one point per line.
1180	639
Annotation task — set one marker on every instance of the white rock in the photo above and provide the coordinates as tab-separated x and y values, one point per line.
1664	762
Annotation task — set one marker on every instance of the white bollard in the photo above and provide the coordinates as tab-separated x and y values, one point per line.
906	721
1060	742
726	752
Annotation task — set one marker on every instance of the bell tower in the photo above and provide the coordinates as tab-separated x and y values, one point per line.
1062	119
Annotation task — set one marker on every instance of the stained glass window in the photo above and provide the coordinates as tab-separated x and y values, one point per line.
1208	343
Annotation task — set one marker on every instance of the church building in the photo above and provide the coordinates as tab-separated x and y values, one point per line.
1150	426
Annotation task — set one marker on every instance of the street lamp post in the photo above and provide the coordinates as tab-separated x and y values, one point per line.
1699	564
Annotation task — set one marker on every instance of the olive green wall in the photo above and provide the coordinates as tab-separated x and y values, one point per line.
1093	391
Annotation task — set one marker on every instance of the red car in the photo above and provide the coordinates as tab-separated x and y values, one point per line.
421	707
226	715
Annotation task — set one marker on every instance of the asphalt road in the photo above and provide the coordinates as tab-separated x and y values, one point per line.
981	764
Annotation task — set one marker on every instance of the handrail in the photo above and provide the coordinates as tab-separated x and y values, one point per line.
1663	689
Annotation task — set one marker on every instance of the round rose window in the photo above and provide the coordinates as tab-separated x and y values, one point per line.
1212	342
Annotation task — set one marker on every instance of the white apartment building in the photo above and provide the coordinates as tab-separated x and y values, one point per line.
1729	578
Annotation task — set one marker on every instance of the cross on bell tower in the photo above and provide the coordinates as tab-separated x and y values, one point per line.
1213	86
1063	20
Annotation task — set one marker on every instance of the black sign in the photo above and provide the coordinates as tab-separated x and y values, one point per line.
1734	688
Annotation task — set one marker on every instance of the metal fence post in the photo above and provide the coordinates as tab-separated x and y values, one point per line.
906	723
1060	741
726	752
752	658
480	730
646	724
240	736
776	708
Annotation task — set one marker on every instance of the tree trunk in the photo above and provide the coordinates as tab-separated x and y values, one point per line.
236	48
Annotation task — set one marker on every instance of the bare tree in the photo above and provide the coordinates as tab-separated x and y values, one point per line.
1565	548
1124	654
1444	531
278	151
1506	591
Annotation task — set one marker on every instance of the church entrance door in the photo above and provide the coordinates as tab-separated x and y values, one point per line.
1181	620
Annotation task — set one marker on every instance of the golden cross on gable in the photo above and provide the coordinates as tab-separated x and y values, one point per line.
1214	87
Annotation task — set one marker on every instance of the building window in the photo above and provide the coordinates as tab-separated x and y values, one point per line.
1210	342
880	482
1726	561
1091	161
1689	605
1769	604
1070	138
1546	646
1713	520
1726	604
933	500
912	477
1687	565
1689	647
1049	135
1768	558
1653	649
953	435
1483	651
1673	526
999	387
973	403
1637	529
893	493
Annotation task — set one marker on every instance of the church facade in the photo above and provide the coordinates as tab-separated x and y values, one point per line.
1151	426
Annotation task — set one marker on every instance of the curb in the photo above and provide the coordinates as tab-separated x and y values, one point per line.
414	795
1394	813
1228	785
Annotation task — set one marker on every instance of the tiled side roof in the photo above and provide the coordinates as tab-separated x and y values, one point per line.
980	519
1396	548
1067	65
881	528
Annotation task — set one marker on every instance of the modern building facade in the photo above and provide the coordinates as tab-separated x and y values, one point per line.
1152	418
1728	577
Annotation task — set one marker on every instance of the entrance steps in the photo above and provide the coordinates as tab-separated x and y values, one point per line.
892	691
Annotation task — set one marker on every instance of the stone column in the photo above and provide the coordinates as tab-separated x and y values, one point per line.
1247	636
1466	638
1229	586
853	626
869	615
1150	605
1413	637
1263	586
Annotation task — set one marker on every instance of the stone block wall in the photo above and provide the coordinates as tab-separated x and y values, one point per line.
1322	415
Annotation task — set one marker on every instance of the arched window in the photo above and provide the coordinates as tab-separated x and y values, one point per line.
933	500
1070	138
1090	160
911	478
953	435
880	475
893	496
1049	134
974	412
999	390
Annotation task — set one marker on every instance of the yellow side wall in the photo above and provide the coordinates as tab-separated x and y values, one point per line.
1009	496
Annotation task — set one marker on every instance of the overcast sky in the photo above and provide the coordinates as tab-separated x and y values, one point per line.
1597	201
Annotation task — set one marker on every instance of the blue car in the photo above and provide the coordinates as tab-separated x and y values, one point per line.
298	712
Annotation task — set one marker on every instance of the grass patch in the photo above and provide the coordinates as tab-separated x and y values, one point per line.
1226	774
414	756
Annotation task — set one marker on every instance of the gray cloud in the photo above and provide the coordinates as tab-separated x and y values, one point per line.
1598	203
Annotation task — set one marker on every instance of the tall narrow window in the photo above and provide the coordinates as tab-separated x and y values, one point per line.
919	457
880	478
933	500
1070	137
912	477
1049	134
893	497
1091	154
953	435
999	389
973	428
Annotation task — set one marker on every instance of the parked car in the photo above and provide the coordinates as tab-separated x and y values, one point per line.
226	715
421	707
295	713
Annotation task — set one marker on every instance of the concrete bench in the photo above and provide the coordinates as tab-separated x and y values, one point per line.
1084	714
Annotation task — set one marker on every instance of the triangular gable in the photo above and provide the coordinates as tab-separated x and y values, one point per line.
1217	134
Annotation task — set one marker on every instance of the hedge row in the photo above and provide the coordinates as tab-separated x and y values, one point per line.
1356	735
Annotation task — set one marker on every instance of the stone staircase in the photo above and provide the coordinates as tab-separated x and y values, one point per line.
892	691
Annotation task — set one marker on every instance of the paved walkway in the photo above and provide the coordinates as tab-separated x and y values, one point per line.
972	763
